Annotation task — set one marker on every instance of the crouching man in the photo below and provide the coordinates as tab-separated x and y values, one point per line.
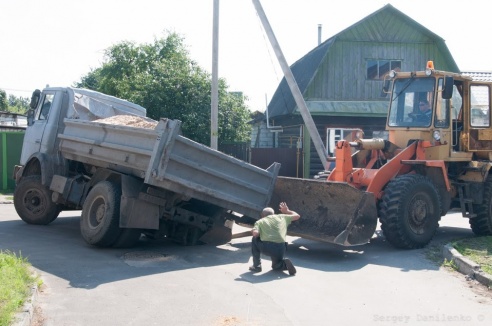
269	235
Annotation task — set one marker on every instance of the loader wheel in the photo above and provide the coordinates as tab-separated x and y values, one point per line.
482	223
99	223
410	211
33	203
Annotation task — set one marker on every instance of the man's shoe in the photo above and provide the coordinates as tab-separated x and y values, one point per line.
290	267
255	269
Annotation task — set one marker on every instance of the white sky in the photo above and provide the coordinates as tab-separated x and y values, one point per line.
56	42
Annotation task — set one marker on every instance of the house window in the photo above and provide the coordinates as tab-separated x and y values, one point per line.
377	69
333	135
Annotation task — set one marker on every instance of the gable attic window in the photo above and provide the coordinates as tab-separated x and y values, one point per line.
376	69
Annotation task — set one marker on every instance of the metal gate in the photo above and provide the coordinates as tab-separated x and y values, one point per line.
291	160
10	152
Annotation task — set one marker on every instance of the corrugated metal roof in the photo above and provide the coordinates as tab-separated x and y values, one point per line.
304	70
480	95
479	75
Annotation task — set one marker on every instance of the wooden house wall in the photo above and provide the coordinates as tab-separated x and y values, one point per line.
342	75
261	137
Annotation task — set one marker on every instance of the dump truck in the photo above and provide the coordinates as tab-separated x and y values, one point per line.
432	162
130	175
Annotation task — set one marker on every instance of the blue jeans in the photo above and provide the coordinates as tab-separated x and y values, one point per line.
275	251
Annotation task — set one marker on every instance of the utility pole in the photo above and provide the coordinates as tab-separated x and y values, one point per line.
294	88
214	112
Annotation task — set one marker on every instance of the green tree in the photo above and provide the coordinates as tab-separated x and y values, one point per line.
18	104
13	103
3	100
161	77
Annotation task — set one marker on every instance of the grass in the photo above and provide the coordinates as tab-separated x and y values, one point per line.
16	280
450	264
8	194
478	250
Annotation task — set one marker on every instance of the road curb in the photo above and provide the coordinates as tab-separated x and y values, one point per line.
25	316
466	266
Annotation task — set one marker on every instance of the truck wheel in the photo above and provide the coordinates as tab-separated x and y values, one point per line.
99	223
33	203
410	211
482	223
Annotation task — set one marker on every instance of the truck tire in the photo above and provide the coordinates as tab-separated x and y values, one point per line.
410	211
99	223
33	203
482	223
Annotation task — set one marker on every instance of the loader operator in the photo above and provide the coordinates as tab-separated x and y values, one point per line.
269	234
425	112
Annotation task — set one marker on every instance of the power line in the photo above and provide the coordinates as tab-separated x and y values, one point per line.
10	90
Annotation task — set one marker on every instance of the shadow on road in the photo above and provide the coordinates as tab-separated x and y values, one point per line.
59	249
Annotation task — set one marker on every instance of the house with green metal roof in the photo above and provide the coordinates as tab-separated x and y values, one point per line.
341	81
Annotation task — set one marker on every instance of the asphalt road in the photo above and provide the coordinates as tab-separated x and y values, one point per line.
161	283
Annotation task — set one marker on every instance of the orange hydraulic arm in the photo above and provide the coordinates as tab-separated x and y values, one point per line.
373	179
343	167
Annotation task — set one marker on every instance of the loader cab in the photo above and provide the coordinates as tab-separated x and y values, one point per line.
413	104
422	107
459	119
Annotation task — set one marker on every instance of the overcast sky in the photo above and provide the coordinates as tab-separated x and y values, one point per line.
56	42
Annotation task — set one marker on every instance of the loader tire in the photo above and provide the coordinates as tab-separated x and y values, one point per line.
33	203
410	211
482	223
99	223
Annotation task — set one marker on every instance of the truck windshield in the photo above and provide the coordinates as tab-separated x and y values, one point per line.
412	102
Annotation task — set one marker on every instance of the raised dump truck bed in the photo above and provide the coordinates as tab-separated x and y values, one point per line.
167	160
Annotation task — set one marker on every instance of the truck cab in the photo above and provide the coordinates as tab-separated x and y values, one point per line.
46	117
41	131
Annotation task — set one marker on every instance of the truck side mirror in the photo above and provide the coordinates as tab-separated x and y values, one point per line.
30	117
35	99
447	92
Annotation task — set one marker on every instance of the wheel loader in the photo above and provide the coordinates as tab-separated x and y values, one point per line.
432	162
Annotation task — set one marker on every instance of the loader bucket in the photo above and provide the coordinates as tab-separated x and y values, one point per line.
334	212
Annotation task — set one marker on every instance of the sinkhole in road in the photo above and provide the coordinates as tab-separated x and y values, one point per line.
145	258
